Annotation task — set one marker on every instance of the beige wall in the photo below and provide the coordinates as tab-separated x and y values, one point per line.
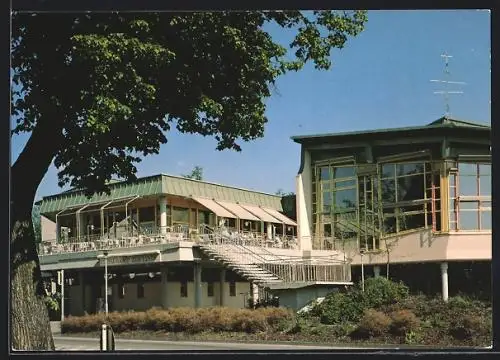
152	296
48	228
423	246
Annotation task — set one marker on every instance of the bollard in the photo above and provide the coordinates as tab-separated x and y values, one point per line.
107	342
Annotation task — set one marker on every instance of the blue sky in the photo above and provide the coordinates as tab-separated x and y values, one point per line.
380	79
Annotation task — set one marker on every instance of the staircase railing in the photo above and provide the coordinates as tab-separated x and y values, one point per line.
288	269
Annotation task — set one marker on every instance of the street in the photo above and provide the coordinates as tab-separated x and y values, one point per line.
65	343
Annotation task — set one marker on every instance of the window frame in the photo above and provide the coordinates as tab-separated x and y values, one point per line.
456	199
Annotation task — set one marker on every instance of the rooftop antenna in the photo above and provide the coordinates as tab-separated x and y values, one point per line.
446	83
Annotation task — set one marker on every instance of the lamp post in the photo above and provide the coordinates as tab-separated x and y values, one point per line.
361	253
105	254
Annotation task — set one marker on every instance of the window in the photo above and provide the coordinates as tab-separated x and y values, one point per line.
210	289
180	215
140	290
121	291
470	197
147	214
232	288
410	196
184	289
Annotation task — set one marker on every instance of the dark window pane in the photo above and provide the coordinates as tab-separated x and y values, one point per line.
467	185
140	290
410	188
388	170
388	190
485	169
344	172
147	214
210	289
345	198
180	215
324	173
485	185
232	288
408	222
184	289
408	169
468	220
486	220
467	169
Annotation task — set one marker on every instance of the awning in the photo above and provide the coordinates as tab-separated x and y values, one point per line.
82	264
214	207
257	211
240	212
280	216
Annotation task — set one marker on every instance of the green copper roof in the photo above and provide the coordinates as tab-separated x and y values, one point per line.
160	185
443	122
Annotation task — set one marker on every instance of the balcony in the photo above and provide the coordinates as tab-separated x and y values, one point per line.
174	234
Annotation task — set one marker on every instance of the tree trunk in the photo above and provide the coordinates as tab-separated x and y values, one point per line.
30	323
29	315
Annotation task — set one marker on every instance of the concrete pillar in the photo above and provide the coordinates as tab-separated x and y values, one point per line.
303	218
255	293
222	286
164	291
376	271
269	231
444	280
163	215
197	285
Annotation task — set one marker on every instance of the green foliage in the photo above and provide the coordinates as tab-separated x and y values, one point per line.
134	76
381	291
37	226
349	306
282	193
52	301
196	173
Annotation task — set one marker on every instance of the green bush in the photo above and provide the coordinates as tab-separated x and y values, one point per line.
348	306
341	307
381	291
404	322
373	324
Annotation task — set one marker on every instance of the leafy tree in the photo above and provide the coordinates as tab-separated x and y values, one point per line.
37	226
96	91
196	173
281	192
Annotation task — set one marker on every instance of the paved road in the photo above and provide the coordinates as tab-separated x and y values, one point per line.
65	343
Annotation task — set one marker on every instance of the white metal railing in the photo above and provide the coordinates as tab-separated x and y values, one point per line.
289	269
168	234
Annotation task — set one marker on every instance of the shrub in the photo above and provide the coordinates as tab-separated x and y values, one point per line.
249	321
373	323
381	291
341	307
469	326
404	322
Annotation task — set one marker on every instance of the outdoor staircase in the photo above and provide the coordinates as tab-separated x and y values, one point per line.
242	262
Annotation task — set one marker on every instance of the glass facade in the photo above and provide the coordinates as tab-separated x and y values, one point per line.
353	206
470	197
